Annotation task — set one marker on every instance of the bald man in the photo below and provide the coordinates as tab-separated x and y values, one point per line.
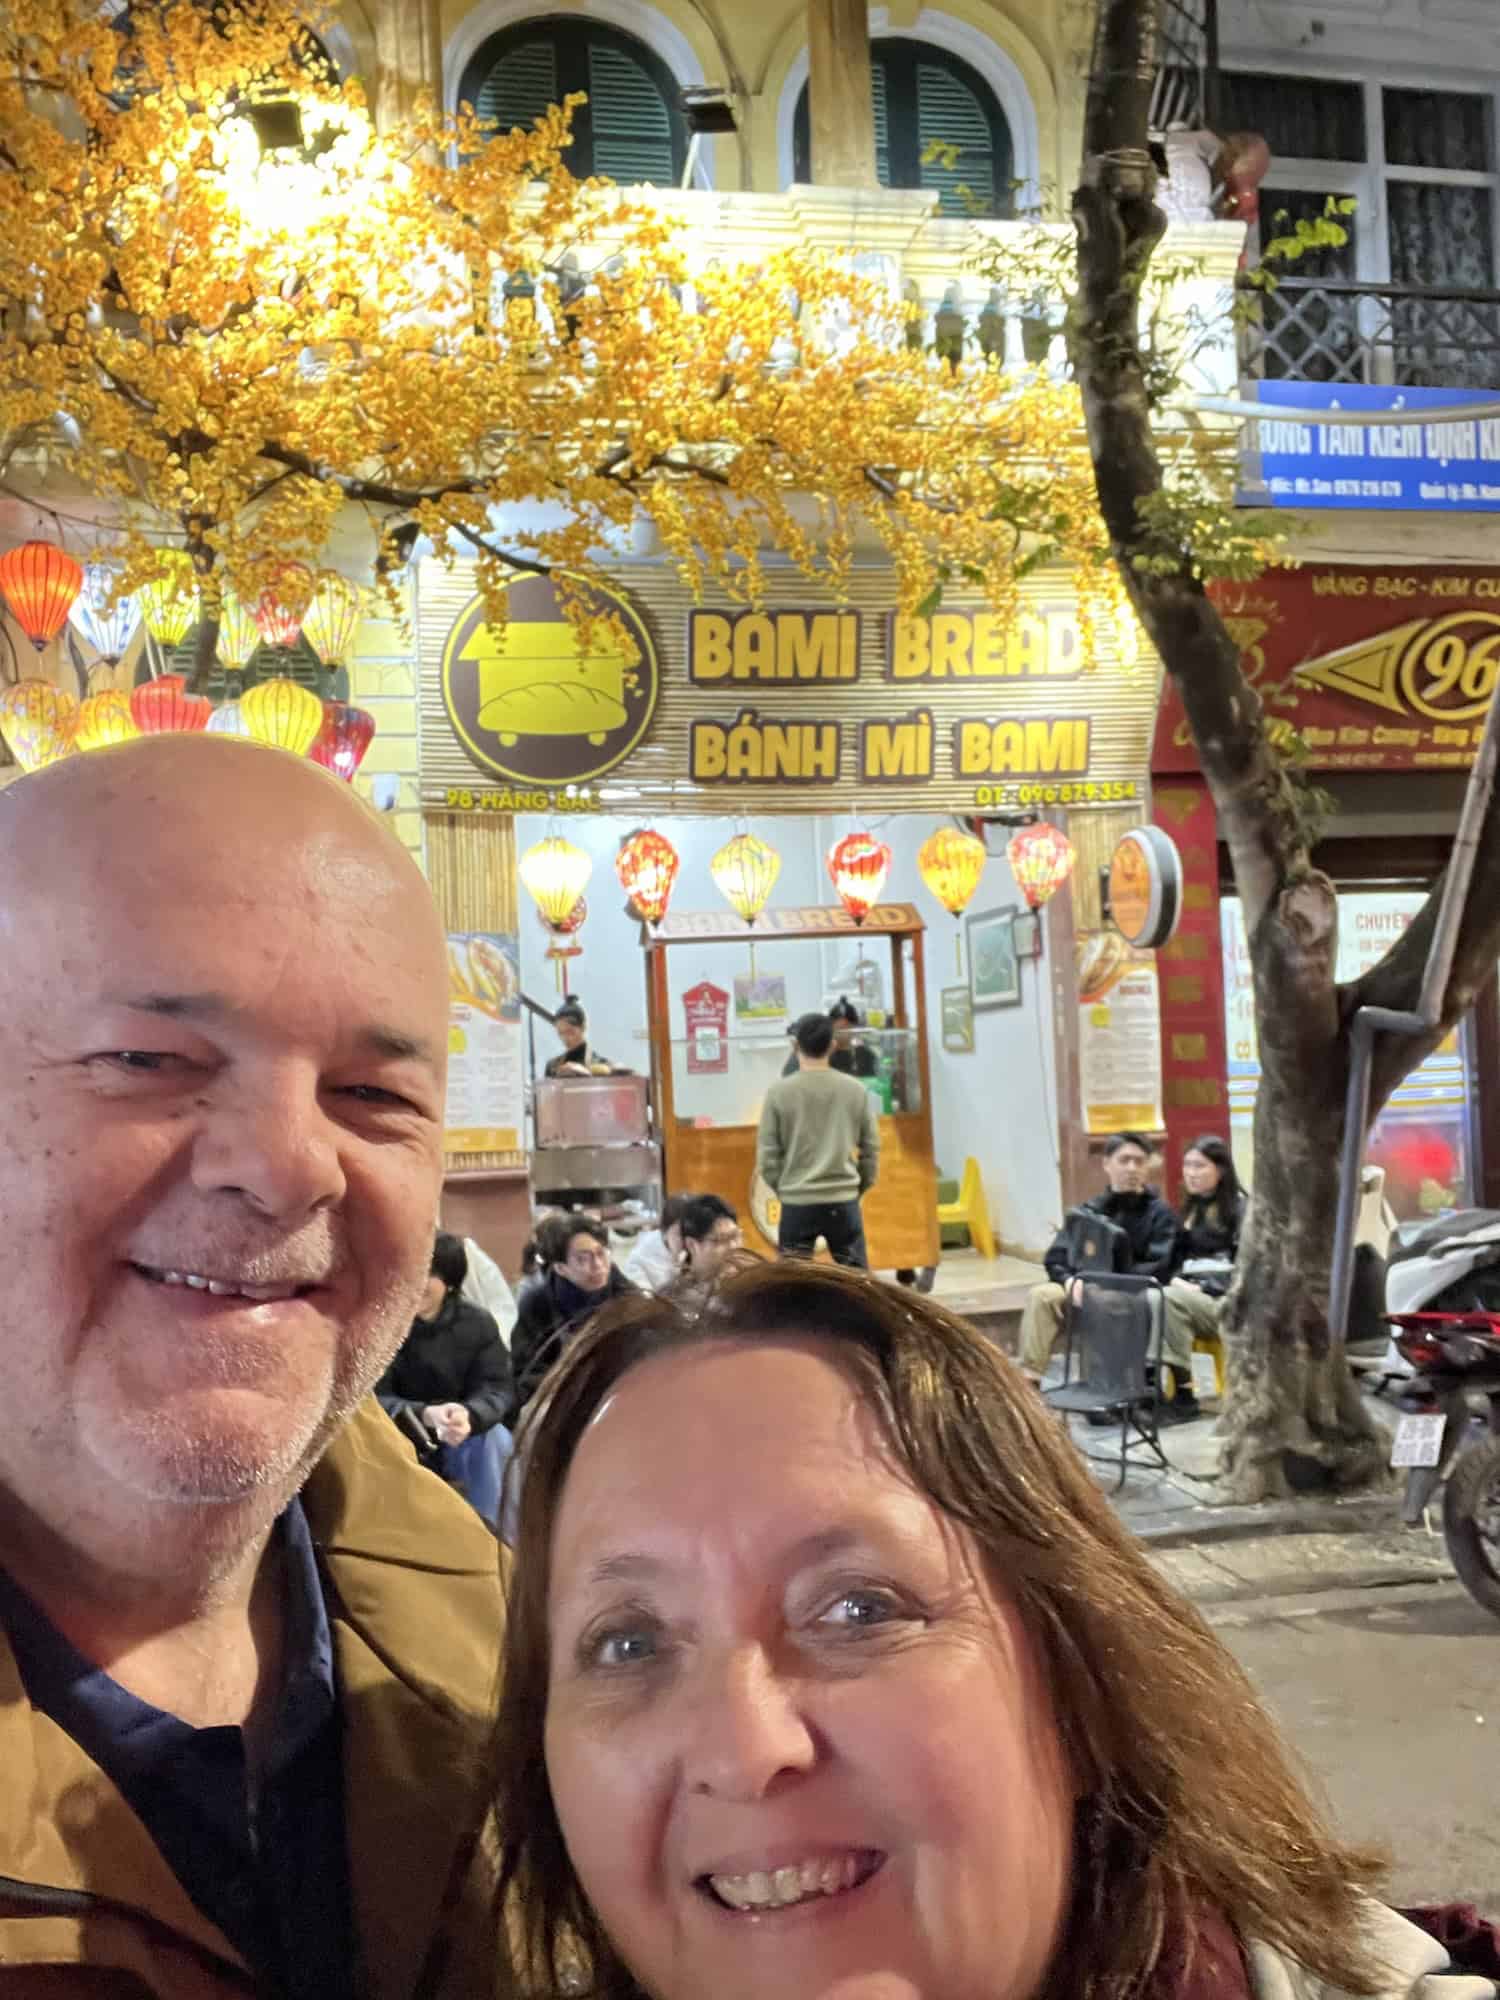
247	1647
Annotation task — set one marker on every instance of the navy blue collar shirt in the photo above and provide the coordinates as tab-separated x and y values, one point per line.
259	1848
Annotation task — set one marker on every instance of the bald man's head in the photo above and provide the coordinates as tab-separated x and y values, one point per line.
223	1010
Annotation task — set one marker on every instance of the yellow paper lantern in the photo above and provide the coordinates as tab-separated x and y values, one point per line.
744	872
332	619
281	713
555	874
951	864
239	634
169	601
37	721
105	719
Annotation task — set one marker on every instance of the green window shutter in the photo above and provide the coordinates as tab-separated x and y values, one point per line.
882	123
521	86
949	113
632	126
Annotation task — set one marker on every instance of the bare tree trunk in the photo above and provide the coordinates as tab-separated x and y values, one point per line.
1294	1417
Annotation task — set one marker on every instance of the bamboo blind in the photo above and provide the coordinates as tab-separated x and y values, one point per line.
471	864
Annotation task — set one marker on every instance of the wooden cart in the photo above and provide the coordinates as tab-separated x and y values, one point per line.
900	1212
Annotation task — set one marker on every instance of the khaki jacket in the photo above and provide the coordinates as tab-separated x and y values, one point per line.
89	1909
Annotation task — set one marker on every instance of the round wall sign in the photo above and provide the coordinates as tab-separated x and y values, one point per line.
531	704
1145	887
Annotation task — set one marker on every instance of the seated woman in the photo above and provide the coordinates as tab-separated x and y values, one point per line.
1208	1240
830	1672
576	1276
449	1385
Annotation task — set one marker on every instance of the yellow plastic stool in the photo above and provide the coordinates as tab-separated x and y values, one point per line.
1212	1344
972	1210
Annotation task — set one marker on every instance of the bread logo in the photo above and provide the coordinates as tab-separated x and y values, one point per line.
538	704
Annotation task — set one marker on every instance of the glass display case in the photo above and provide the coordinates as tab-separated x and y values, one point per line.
885	1060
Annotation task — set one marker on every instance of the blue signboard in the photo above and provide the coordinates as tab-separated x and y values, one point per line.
1429	455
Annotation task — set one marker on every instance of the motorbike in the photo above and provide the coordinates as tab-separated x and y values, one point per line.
1449	1433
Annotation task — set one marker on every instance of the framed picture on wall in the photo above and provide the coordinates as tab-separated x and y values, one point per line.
1026	930
994	969
958	1020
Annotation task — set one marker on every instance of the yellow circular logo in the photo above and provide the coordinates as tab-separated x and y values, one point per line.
1448	668
532	703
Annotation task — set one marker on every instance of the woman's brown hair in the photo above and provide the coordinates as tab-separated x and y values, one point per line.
1187	1802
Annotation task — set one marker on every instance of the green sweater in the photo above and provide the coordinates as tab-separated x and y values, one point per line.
818	1138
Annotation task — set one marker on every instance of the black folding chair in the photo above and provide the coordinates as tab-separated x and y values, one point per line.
1112	1359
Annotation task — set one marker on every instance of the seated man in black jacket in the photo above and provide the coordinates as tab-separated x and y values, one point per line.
451	1380
1151	1233
578	1275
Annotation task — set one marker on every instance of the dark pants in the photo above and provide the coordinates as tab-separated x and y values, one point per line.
477	1468
839	1223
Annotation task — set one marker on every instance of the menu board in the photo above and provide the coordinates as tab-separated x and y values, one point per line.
1119	1046
485	1091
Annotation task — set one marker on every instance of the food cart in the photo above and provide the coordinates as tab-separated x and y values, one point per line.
708	1086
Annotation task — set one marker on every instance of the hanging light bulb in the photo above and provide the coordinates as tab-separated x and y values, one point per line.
169	601
345	736
164	707
332	619
107	626
228	720
282	713
238	634
1041	858
744	872
647	866
37	721
280	607
857	867
555	873
105	719
39	582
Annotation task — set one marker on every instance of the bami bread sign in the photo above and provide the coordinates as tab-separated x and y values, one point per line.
536	703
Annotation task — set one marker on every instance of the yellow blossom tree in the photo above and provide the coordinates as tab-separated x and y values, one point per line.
232	310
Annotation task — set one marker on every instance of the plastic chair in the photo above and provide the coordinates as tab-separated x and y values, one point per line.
972	1210
1112	1359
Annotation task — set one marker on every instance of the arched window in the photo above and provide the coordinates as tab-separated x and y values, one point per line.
925	95
631	130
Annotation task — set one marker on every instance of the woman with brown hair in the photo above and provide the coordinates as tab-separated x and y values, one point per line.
830	1673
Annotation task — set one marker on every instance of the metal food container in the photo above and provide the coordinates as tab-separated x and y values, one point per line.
591	1111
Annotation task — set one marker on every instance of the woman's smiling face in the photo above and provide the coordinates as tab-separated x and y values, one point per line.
799	1743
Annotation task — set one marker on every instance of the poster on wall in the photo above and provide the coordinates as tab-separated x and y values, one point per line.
958	1020
760	996
484	1043
1119	1035
707	1009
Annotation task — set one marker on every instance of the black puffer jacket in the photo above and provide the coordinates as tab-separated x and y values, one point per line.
548	1313
458	1357
1146	1220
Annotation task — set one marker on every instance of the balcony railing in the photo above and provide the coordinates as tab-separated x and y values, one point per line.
1410	336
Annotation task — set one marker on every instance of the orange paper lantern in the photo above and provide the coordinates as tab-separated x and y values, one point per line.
647	867
164	707
105	719
951	864
39	582
1041	858
280	608
744	872
857	867
282	713
37	721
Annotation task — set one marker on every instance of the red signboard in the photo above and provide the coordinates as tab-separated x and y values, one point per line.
1372	669
707	1009
1191	973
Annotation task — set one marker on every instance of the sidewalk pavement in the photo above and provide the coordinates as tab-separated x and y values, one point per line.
1179	1508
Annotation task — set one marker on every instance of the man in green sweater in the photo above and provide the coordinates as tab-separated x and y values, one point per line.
819	1150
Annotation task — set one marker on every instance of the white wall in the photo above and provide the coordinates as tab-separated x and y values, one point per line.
997	1104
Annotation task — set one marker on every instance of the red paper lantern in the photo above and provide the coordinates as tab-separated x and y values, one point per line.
1041	858
857	867
164	707
40	582
280	609
341	743
647	867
